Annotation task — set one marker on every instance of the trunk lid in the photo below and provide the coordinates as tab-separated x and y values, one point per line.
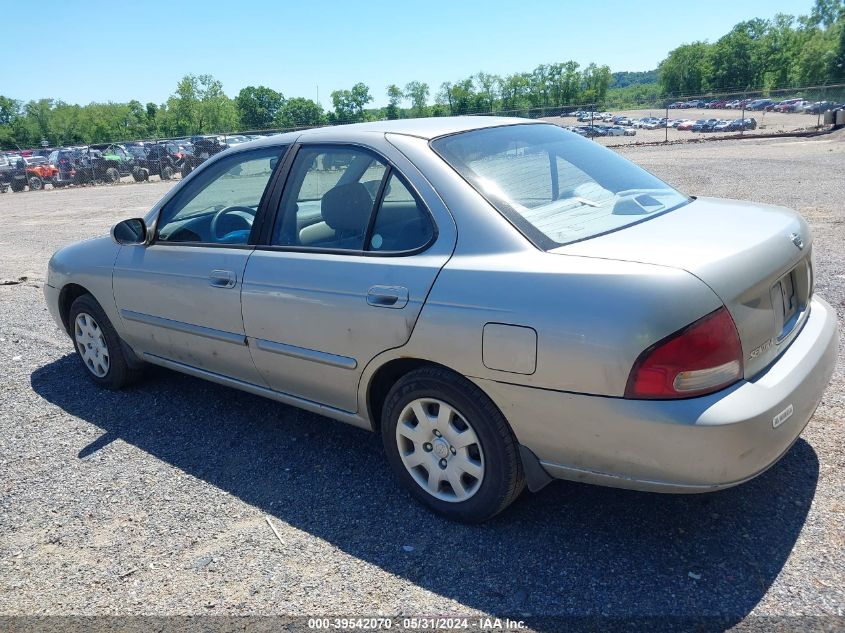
747	253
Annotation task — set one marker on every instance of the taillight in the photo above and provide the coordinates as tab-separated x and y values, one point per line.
701	358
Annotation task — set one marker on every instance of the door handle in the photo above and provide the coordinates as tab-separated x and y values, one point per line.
222	279
395	297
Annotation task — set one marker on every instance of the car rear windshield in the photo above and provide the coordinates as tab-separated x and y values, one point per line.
555	186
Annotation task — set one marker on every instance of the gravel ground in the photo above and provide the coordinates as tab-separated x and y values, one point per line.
155	500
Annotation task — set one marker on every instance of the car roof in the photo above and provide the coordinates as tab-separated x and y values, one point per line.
426	128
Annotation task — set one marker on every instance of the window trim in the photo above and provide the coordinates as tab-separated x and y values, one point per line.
273	216
259	212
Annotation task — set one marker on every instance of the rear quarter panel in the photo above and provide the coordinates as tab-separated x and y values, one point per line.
592	317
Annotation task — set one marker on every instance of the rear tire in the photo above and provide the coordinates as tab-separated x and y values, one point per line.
166	173
139	174
98	345
450	446
186	169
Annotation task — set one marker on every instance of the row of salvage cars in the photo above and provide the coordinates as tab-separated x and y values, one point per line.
110	162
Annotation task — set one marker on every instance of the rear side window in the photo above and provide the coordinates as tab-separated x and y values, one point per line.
402	223
349	199
329	198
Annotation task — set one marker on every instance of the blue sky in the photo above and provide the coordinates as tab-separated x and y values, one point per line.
294	47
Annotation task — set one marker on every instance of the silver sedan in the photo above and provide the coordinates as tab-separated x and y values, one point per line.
504	301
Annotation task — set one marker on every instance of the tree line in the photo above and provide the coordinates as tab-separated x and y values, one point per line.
199	105
785	51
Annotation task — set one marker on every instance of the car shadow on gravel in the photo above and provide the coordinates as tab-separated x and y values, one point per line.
572	549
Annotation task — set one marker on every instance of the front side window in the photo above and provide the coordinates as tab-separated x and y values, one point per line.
220	204
555	186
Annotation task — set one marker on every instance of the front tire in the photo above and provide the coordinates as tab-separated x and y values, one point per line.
450	446
112	175
98	345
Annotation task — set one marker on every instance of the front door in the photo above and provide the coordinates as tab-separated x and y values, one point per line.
179	296
352	257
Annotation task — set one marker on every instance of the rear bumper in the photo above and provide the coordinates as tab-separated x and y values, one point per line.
693	445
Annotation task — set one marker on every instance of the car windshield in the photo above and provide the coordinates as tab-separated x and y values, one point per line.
554	186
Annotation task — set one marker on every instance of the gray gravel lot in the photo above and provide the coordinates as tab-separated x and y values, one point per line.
153	500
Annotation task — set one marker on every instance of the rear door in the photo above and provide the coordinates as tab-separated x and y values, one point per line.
344	271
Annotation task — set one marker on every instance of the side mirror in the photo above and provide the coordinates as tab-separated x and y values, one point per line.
129	232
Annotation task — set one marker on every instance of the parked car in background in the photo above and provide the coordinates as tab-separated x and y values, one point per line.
8	167
65	161
742	124
17	172
235	139
819	107
591	131
203	148
105	162
490	362
759	104
704	125
163	159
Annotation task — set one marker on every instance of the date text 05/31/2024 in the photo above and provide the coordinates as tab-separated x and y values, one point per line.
417	623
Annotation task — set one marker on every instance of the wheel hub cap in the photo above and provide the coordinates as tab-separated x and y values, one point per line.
91	344
440	450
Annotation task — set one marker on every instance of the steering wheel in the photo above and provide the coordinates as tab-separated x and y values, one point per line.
215	221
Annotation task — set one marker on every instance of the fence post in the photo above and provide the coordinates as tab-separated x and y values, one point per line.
742	118
819	115
666	127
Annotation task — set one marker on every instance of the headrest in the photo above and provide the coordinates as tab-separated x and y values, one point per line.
347	207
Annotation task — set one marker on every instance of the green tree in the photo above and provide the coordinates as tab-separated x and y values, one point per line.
349	104
685	71
514	94
9	109
394	96
488	92
299	112
417	93
737	59
258	106
596	82
199	106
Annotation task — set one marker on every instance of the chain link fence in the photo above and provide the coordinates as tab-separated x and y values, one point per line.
673	119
